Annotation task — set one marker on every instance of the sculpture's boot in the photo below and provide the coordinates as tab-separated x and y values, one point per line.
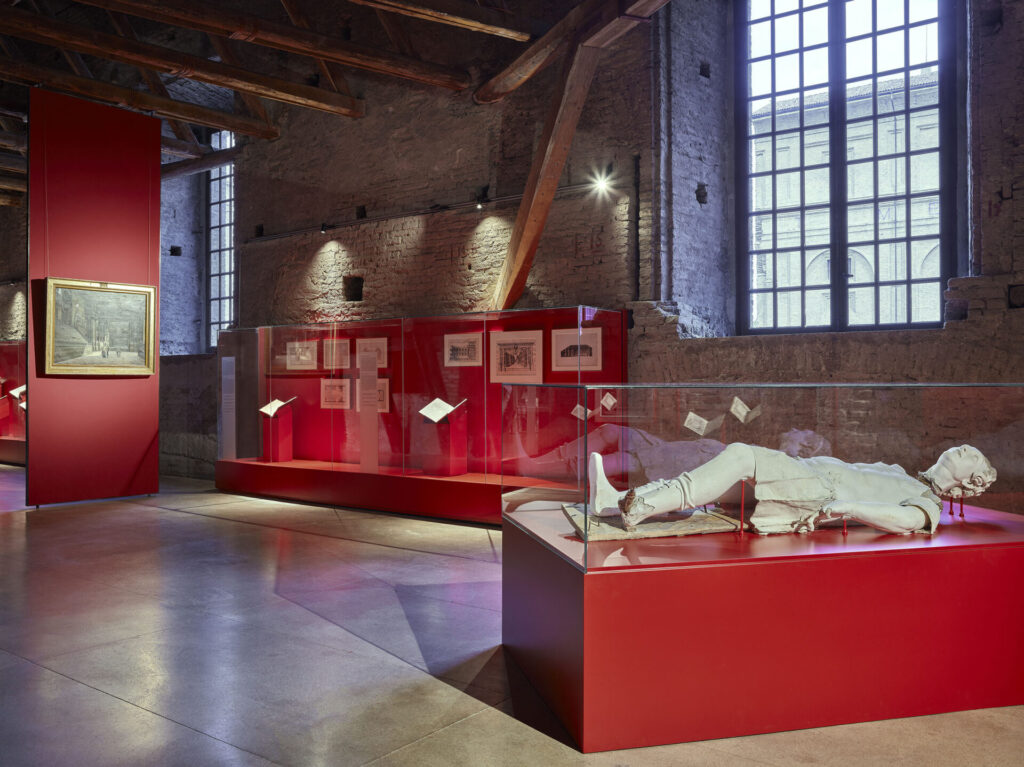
658	497
604	499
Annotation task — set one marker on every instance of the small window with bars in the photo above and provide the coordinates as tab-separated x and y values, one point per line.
221	282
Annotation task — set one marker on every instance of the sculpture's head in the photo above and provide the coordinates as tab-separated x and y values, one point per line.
960	472
804	443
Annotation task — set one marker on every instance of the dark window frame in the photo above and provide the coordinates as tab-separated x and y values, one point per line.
227	290
952	175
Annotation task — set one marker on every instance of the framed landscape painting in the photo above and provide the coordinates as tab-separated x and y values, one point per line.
99	328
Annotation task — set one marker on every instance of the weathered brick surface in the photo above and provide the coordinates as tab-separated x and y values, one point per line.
13	247
182	222
418	148
188	415
694	131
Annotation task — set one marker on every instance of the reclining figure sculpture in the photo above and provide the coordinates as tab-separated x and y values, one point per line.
798	494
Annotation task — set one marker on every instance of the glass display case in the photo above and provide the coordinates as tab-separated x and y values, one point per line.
321	412
647	436
686	624
13	402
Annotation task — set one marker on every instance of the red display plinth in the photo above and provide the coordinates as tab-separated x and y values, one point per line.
452	440
277	436
740	634
467	497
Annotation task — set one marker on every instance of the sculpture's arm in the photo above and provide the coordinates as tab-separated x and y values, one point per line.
888	517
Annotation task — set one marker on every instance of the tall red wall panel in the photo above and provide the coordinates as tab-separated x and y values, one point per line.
94	214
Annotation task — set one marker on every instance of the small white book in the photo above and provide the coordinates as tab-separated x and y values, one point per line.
271	408
743	412
438	409
17	392
581	412
702	426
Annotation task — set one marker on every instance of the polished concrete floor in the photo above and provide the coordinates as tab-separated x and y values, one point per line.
198	628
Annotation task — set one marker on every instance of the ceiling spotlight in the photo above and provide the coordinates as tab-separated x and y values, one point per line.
479	206
323	228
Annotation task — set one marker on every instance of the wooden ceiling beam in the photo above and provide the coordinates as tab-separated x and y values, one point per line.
542	183
331	73
139	101
123	26
74	60
13	163
453	13
11	199
11	140
253	29
178	148
252	102
13	183
397	34
206	162
49	31
594	23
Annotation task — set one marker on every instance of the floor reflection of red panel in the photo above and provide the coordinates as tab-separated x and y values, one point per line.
795	634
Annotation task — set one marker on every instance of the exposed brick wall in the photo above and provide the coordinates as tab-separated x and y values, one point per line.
188	415
182	223
694	131
418	148
13	247
665	344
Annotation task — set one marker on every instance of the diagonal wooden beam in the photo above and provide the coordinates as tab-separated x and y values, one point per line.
594	23
32	74
12	140
397	34
331	73
227	54
206	162
39	29
11	199
237	25
74	60
13	183
548	163
454	13
13	163
178	148
124	27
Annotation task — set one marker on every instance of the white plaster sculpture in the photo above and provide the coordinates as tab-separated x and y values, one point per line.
799	494
630	451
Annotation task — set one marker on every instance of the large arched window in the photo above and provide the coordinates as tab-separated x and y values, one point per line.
847	133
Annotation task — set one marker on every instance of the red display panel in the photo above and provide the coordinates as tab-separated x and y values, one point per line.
94	214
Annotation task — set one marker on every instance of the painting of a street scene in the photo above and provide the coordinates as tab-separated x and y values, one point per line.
99	329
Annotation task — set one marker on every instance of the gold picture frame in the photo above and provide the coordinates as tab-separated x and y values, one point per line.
100	328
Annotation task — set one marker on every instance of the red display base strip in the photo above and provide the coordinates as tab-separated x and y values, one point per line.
12	450
442	498
646	657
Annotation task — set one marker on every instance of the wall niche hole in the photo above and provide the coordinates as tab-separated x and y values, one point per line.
352	288
705	69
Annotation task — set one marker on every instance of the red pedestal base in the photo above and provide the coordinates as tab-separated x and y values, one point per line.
452	457
12	450
750	643
468	497
277	436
